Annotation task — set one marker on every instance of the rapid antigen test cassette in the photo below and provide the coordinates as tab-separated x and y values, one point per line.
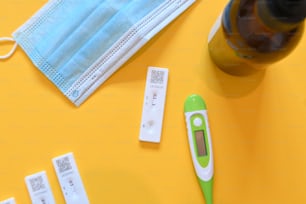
153	105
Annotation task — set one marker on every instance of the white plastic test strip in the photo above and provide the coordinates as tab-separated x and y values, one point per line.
153	105
70	180
39	188
8	201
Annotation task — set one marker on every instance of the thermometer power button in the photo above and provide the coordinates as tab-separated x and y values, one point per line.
197	122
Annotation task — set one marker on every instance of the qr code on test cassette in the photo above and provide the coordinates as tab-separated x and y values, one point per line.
63	164
37	183
157	77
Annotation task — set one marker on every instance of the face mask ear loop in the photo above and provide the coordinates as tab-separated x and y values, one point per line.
8	55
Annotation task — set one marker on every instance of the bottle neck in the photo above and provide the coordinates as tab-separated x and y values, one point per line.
271	21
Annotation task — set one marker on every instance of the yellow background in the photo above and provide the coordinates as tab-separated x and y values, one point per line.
257	123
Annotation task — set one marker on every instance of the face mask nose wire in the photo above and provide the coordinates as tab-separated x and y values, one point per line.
12	51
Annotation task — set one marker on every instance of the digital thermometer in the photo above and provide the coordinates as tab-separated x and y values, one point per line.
200	143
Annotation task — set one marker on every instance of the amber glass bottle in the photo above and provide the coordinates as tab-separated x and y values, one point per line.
251	34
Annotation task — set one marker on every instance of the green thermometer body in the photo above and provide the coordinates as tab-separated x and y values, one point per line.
200	143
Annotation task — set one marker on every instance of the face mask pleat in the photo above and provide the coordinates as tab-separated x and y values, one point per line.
64	21
91	25
141	8
105	38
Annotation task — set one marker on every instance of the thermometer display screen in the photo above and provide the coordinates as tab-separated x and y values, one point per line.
200	140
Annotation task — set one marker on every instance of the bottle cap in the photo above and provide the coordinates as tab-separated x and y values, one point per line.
292	11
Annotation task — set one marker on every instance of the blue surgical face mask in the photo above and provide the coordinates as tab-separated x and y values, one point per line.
78	44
